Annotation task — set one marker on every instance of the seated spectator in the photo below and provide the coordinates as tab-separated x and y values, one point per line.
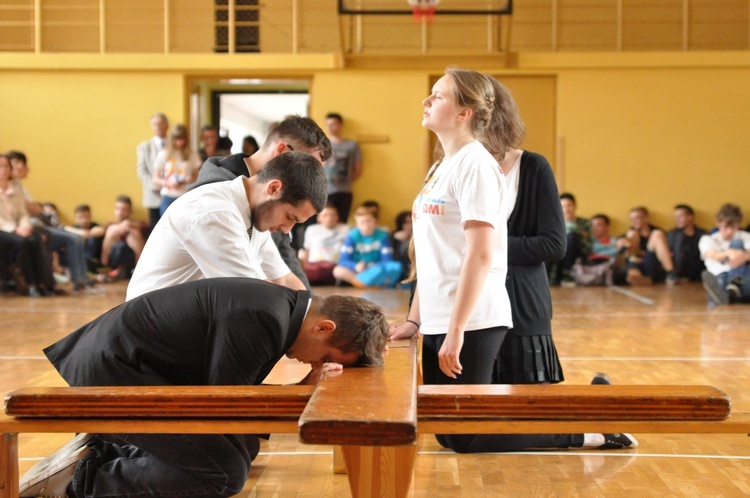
596	269
649	259
123	242
604	246
683	242
366	258
175	167
323	242
400	241
578	244
92	234
49	217
49	212
374	207
69	246
726	253
24	247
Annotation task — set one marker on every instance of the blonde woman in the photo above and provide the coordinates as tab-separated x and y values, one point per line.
175	167
461	303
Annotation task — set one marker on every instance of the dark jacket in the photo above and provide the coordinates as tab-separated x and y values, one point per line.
536	234
217	331
221	169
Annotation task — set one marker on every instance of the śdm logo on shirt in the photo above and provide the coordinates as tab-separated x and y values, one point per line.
434	206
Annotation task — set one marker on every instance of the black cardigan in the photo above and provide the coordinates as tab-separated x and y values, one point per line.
536	234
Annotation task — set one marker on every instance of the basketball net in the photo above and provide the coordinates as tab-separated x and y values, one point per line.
423	10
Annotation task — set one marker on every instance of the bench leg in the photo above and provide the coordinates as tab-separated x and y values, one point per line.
9	465
339	467
376	471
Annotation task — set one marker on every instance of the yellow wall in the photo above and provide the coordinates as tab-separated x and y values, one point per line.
380	103
619	129
655	137
79	131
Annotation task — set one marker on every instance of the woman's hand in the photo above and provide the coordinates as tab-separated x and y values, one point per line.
449	353
403	330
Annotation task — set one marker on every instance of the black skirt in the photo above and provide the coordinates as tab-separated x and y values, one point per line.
528	360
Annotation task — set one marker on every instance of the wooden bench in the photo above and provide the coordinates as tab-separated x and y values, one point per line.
373	413
383	418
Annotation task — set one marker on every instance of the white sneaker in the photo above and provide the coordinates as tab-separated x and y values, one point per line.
50	477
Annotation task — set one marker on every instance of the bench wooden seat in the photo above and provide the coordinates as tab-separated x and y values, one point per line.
572	402
247	402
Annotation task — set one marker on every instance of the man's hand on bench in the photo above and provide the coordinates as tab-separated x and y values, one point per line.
319	371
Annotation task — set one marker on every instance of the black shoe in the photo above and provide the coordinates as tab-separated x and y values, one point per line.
618	442
716	293
601	378
734	292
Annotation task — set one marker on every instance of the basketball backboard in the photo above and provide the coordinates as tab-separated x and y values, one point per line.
447	7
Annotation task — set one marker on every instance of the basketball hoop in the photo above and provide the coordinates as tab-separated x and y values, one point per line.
423	10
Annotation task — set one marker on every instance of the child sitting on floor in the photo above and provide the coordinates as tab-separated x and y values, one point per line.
366	258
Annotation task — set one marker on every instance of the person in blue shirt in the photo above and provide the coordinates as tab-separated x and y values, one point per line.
366	258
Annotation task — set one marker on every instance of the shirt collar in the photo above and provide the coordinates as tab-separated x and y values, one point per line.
239	195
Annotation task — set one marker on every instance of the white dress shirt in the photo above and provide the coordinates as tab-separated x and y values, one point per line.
203	234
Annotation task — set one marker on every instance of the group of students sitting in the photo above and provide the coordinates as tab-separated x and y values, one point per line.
39	254
367	255
646	254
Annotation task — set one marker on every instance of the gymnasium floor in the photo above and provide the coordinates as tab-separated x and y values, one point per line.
655	335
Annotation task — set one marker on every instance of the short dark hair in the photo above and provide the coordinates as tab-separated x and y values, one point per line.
302	177
641	209
16	154
302	130
209	127
361	327
250	140
335	115
401	219
604	217
730	213
125	199
686	207
81	208
569	196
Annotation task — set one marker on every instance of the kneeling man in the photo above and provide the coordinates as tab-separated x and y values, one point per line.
220	331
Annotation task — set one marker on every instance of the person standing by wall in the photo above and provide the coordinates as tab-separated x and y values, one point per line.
147	152
343	168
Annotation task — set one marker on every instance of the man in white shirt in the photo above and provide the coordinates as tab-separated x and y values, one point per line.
726	253
205	235
147	152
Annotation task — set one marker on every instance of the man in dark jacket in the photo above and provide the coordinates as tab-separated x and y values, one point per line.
293	133
221	331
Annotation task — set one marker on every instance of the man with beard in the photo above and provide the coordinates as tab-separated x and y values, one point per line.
206	234
294	133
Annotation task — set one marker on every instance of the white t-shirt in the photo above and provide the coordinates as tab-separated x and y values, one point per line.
324	244
466	187
716	242
204	235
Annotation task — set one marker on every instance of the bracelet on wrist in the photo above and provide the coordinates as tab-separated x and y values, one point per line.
412	321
